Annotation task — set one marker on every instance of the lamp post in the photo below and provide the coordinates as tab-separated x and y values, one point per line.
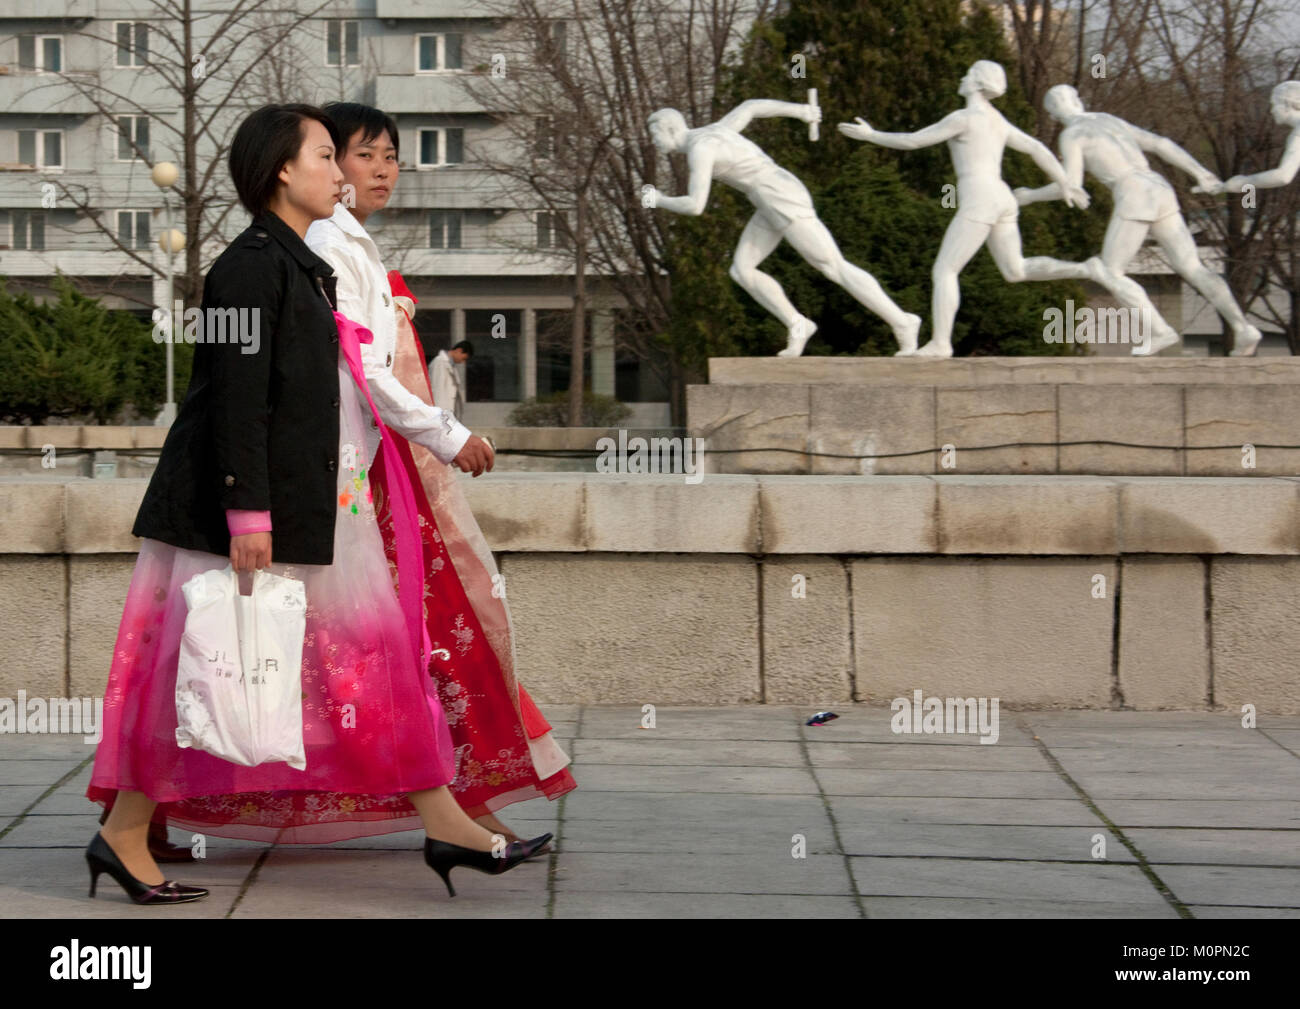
171	241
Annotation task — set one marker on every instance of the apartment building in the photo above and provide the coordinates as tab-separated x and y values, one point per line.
89	89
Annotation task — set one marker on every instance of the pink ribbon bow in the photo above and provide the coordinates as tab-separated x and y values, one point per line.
401	499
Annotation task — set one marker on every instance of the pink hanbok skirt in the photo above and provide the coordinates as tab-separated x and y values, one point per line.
371	730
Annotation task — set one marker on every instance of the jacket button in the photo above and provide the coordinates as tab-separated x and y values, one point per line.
334	402
330	467
230	480
388	361
386	301
261	234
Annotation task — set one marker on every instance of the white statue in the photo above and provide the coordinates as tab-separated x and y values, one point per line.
986	209
784	210
1285	104
1145	203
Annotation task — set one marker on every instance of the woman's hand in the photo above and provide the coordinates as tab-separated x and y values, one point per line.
475	457
250	551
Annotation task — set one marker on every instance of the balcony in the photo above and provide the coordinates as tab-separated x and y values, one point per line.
49	9
22	188
46	94
429	9
483	262
432	94
453	187
73	263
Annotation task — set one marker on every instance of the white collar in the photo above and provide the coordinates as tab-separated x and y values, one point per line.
344	220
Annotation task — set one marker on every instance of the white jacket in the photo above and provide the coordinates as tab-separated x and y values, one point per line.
365	297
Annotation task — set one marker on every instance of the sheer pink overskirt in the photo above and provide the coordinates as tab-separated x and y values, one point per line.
370	729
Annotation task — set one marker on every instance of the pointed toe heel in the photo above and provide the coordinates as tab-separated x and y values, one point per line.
101	858
442	857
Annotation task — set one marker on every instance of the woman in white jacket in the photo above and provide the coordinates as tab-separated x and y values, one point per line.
504	747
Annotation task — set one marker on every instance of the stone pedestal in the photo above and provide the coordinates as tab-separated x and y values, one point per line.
998	415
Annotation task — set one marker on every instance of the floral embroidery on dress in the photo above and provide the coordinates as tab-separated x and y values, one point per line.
464	635
455	701
471	772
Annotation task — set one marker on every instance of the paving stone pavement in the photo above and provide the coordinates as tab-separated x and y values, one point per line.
1070	814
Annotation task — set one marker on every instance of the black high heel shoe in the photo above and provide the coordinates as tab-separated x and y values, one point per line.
101	858
443	856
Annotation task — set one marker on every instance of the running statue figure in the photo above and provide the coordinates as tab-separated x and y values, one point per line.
784	210
1111	149
1285	105
986	209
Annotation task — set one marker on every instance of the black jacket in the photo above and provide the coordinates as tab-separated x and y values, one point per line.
260	430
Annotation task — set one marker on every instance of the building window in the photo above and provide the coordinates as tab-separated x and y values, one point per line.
441	146
342	43
554	350
437	52
133	228
132	138
132	43
492	373
40	148
40	53
554	49
551	233
544	137
444	229
28	230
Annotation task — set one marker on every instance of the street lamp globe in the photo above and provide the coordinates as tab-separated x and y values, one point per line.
164	174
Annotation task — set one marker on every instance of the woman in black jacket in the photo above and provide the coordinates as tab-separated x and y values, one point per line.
269	447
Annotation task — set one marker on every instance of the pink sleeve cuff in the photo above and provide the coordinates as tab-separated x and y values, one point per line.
241	522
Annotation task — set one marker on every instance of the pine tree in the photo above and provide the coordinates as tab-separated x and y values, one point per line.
897	64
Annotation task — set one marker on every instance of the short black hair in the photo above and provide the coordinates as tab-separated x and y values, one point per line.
352	116
265	142
466	346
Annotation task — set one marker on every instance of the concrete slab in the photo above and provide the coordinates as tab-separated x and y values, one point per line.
616	904
1229	911
1242	847
985	907
16	798
652	748
940	877
848	810
1232	885
973	784
667	778
35	772
1004	843
774	872
1163	812
922	757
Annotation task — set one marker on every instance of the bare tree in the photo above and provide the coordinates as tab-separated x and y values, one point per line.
1199	72
573	106
202	63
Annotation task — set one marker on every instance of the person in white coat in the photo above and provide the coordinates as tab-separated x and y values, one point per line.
445	379
505	747
364	297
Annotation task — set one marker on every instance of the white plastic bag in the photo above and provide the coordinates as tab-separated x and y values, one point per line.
238	687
